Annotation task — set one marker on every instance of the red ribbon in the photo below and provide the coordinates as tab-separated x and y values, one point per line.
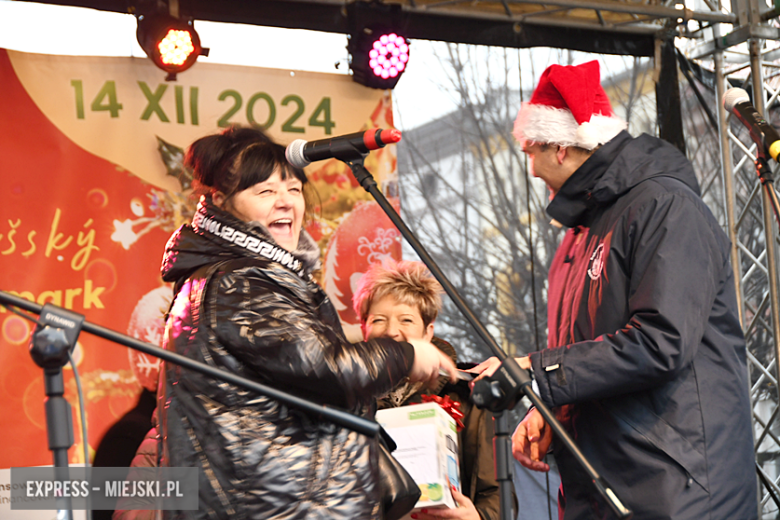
449	406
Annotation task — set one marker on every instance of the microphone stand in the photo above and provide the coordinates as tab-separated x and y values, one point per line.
764	173
53	340
508	381
56	336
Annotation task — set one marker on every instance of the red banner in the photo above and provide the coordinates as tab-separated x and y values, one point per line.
93	185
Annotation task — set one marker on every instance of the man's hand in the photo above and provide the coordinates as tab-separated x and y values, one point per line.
489	367
531	440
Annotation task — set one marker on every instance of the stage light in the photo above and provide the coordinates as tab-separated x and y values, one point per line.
171	43
378	56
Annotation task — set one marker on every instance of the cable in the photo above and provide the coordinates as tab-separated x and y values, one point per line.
547	481
82	411
531	248
685	68
20	313
532	257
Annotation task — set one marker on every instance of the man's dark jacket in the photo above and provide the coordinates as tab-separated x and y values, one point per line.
645	342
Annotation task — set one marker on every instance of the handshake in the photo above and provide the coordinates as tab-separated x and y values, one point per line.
497	386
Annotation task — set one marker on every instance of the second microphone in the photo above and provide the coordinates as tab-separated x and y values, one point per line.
737	101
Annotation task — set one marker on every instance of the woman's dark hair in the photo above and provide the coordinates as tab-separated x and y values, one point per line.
237	159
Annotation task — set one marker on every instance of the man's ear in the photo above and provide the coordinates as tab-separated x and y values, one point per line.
218	198
364	330
561	154
428	336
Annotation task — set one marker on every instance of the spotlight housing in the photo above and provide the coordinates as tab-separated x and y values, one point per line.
378	56
171	43
377	43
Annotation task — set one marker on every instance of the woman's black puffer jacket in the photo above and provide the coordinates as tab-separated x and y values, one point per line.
245	305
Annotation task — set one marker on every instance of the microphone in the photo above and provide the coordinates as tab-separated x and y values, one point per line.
346	147
736	101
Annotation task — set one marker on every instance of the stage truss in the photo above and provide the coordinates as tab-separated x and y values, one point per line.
745	55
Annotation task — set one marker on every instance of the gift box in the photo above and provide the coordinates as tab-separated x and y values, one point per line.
427	441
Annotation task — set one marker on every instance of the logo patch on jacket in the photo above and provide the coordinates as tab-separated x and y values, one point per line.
596	264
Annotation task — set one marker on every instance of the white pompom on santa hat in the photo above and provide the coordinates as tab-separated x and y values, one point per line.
568	108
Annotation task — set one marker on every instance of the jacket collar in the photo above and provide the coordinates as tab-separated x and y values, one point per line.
573	205
216	235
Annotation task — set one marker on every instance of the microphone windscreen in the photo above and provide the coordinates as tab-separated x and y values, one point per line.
390	136
294	154
733	96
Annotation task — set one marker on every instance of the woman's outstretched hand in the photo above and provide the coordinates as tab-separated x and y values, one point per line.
427	361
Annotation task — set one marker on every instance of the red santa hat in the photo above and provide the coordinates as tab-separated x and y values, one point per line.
568	108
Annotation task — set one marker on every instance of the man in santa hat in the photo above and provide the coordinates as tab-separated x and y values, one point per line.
646	361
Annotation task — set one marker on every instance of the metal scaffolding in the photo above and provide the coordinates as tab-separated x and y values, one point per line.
743	55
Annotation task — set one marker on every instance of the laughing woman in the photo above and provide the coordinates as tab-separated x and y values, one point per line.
245	302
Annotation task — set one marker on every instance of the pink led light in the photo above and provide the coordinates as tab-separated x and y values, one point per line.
389	56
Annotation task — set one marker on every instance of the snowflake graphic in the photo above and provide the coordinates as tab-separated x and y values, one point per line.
380	247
